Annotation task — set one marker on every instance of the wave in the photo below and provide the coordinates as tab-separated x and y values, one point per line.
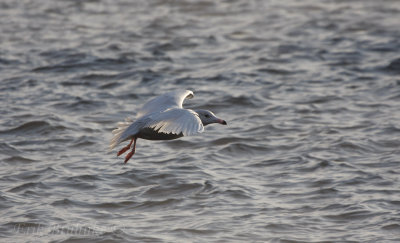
34	128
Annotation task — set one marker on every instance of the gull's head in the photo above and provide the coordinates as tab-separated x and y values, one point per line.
207	117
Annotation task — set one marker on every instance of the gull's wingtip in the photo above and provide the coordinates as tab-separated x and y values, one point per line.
190	94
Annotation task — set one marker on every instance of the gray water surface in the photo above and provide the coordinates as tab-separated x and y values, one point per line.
310	91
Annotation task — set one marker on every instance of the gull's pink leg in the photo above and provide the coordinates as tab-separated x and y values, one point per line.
124	149
130	154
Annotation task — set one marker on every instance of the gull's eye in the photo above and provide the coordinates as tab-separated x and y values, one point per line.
207	115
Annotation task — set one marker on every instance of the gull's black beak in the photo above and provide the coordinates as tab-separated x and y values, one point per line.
223	122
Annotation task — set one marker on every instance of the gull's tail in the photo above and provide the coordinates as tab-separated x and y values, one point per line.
118	132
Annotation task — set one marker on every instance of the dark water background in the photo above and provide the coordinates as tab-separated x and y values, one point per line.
310	91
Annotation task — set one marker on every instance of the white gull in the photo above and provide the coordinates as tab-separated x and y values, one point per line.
163	118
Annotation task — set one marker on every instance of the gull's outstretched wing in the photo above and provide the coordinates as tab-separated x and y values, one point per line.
176	121
173	99
164	114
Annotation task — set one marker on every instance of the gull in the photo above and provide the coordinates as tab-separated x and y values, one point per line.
162	118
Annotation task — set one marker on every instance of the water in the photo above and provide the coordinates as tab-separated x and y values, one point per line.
310	91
